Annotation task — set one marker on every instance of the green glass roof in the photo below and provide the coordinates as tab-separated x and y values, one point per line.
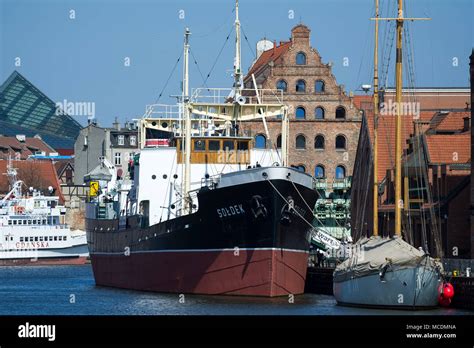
24	108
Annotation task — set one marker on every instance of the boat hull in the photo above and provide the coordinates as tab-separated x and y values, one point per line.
254	272
74	255
407	288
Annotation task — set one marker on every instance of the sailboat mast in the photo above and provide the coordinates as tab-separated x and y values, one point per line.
187	127
376	115
398	124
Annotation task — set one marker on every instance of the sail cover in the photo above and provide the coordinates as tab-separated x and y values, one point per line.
371	255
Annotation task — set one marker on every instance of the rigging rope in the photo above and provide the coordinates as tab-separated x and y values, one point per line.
248	43
199	69
168	80
217	58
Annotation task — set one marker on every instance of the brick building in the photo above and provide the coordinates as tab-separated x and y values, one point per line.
436	169
324	123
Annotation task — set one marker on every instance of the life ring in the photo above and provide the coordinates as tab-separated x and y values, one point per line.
19	210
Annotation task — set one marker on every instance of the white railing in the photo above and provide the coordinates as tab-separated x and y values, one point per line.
163	111
226	95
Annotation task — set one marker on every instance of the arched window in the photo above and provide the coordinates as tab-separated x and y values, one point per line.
300	58
300	142
279	142
300	113
340	112
282	85
319	113
319	142
300	86
300	167
319	172
260	141
340	172
340	142
319	86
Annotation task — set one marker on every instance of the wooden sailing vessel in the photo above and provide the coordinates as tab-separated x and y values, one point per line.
386	271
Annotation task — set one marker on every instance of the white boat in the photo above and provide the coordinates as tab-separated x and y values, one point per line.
33	229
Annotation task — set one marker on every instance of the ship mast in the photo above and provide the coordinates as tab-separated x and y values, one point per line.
237	65
237	60
376	115
398	123
187	127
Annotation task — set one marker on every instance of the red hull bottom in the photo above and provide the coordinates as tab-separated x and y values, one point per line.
261	272
45	262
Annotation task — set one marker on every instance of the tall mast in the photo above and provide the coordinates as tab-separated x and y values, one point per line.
237	64
237	61
398	124
376	115
187	126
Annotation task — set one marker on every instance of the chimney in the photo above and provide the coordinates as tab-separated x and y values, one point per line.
466	124
116	124
21	138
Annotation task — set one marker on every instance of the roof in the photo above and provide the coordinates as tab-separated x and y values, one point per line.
449	122
12	146
449	148
62	165
386	135
24	109
270	55
37	174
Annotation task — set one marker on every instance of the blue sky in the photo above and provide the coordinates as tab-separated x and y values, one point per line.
82	59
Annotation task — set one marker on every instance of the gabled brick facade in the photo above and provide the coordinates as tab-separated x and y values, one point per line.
280	64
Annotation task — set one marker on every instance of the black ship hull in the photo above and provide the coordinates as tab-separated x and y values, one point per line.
245	239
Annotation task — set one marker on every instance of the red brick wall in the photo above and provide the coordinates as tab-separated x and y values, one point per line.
285	68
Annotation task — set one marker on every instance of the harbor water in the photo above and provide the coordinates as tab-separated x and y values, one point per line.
71	290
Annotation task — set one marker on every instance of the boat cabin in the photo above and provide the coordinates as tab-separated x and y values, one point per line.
216	150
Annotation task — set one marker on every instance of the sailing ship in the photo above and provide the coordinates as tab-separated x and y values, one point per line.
387	271
33	230
207	213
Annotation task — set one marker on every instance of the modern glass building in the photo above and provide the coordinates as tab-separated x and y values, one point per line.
24	109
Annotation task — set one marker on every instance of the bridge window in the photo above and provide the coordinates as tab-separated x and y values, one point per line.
214	145
242	145
199	145
228	145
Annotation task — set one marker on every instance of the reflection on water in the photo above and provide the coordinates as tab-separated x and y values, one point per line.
70	290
